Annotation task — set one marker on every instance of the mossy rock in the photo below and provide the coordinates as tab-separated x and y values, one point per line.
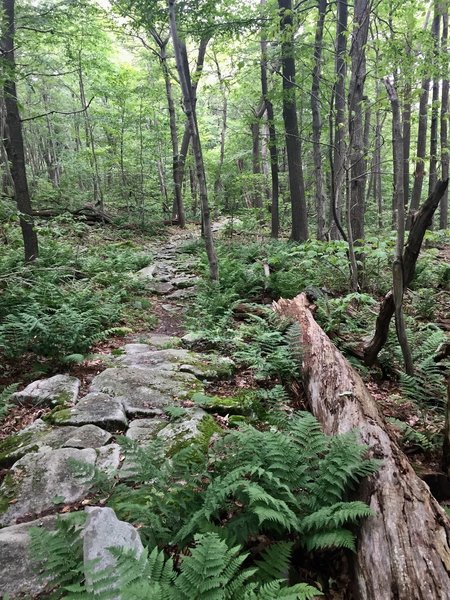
221	405
207	428
58	416
15	446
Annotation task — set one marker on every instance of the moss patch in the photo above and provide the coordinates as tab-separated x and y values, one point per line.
15	446
207	428
227	405
58	416
9	490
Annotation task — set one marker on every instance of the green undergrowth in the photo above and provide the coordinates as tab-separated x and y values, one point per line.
288	485
80	291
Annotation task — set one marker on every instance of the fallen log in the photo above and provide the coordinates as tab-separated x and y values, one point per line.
88	213
403	551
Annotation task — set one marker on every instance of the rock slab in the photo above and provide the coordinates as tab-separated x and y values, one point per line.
102	531
18	575
60	389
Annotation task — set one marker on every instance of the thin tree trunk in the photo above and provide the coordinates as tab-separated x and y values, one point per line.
317	121
296	182
443	218
358	165
340	117
432	177
275	219
421	150
397	268
187	131
14	138
190	110
90	143
415	238
218	185
406	133
178	208
403	550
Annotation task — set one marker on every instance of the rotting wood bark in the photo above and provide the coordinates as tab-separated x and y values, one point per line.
422	221
403	551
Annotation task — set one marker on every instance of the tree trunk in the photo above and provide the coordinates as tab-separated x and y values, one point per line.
419	170
443	218
190	110
422	220
186	140
293	147
406	134
356	121
218	185
14	138
178	213
317	120
256	162
432	177
274	211
397	267
340	119
403	550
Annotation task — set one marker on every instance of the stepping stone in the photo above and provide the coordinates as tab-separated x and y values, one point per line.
164	360
144	430
161	288
18	571
87	436
182	294
160	340
94	409
60	389
136	348
102	531
146	391
184	429
108	458
40	481
184	282
147	272
32	439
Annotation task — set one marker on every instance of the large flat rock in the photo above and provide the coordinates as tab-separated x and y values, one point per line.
39	481
145	391
19	574
143	431
87	436
95	409
60	389
102	531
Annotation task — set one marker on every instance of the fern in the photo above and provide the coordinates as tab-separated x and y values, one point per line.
211	571
411	436
427	385
5	396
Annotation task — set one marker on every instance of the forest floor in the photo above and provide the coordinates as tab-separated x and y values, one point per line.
154	371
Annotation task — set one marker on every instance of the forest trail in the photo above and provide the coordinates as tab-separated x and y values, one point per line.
144	393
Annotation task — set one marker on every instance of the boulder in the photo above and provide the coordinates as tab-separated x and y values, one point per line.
103	531
39	481
60	389
145	391
87	436
147	272
32	439
97	409
144	430
18	571
161	288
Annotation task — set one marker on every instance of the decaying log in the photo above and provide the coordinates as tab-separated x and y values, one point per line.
89	214
403	551
422	221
